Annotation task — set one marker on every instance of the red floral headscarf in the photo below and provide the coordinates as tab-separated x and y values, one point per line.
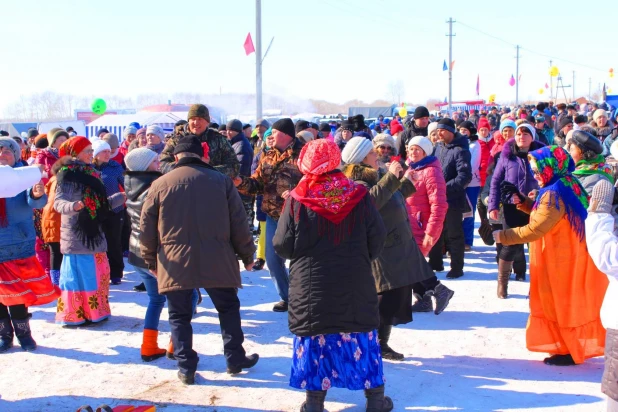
74	146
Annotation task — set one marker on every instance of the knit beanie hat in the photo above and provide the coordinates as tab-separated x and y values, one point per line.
598	113
302	125
141	131
198	110
383	139
156	130
448	125
189	144
422	142
100	146
468	125
528	127
55	133
507	123
432	126
396	127
129	130
112	140
483	122
74	146
40	142
580	118
285	125
12	146
139	159
305	136
221	128
356	150
234	125
420	112
32	132
566	120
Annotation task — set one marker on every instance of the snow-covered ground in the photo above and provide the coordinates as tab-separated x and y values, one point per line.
472	357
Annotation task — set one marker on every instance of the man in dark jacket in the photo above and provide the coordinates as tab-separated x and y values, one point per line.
277	174
244	154
193	226
222	156
417	127
454	156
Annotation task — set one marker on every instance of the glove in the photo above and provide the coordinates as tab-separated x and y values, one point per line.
508	190
602	197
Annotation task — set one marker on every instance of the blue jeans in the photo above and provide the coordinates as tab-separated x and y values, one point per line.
468	223
276	265
156	301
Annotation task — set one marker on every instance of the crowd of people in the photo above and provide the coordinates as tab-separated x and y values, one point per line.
365	213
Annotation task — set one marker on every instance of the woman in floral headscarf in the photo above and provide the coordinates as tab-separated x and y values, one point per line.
83	204
566	288
331	231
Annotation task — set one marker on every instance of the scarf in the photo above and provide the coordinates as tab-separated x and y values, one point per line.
332	197
157	148
421	163
594	166
87	180
556	167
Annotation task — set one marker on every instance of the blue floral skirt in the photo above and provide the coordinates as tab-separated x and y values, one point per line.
342	360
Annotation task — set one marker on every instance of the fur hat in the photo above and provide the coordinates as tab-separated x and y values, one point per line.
422	142
138	160
198	110
383	139
356	150
598	113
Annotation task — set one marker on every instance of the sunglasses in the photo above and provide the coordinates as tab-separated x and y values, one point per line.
384	147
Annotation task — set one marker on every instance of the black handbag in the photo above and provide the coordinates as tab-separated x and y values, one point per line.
486	232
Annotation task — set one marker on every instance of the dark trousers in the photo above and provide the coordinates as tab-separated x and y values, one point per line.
419	288
126	231
452	232
18	312
55	255
113	234
180	310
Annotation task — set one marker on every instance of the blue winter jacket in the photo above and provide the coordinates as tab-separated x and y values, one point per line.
112	175
17	239
455	160
244	153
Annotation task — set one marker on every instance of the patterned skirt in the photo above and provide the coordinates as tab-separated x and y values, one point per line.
23	282
343	360
84	286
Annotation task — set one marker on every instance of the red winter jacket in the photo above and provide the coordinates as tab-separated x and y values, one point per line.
427	207
485	158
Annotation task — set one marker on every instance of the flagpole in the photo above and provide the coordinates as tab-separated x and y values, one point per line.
450	63
258	60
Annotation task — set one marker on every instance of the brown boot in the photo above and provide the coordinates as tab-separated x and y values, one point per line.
504	272
170	350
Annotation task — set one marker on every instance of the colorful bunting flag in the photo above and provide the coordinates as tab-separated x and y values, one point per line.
444	66
512	81
249	45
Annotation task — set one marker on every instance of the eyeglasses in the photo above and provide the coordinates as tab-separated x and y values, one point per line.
382	147
89	151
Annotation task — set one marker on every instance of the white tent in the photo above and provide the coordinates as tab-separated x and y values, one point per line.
116	123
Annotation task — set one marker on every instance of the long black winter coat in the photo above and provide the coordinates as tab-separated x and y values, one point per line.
403	139
136	185
332	289
455	160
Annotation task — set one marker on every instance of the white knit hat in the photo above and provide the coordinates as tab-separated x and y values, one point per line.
356	150
384	139
422	142
156	130
305	136
432	126
138	160
598	113
99	146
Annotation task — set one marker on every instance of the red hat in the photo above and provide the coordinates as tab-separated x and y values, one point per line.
396	127
318	157
74	146
206	150
483	122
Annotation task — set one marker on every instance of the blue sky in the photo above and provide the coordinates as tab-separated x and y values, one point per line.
335	50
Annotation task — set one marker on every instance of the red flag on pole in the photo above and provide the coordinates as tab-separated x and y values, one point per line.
546	86
512	81
249	45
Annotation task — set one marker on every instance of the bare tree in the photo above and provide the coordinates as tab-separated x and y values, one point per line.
396	91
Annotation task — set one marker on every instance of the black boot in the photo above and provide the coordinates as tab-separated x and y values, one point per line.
6	335
188	379
423	303
384	334
22	331
443	296
140	288
376	401
247	363
314	402
559	360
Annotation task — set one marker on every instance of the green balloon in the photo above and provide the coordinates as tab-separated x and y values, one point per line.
98	106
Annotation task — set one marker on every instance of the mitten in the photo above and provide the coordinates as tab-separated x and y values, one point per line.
602	197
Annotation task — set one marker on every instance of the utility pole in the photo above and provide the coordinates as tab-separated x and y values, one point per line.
573	85
551	82
258	59
450	62
517	79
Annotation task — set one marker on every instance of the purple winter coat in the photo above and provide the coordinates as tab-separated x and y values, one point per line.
513	169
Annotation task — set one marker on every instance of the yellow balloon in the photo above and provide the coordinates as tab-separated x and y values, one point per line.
609	90
541	90
403	112
553	71
492	98
611	74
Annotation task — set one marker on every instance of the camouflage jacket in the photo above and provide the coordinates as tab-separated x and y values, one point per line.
276	173
222	155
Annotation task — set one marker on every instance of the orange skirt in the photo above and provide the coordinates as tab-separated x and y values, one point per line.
24	282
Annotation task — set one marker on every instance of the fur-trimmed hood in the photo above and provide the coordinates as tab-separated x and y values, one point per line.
361	173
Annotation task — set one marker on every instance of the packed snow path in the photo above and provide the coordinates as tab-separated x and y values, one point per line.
472	357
